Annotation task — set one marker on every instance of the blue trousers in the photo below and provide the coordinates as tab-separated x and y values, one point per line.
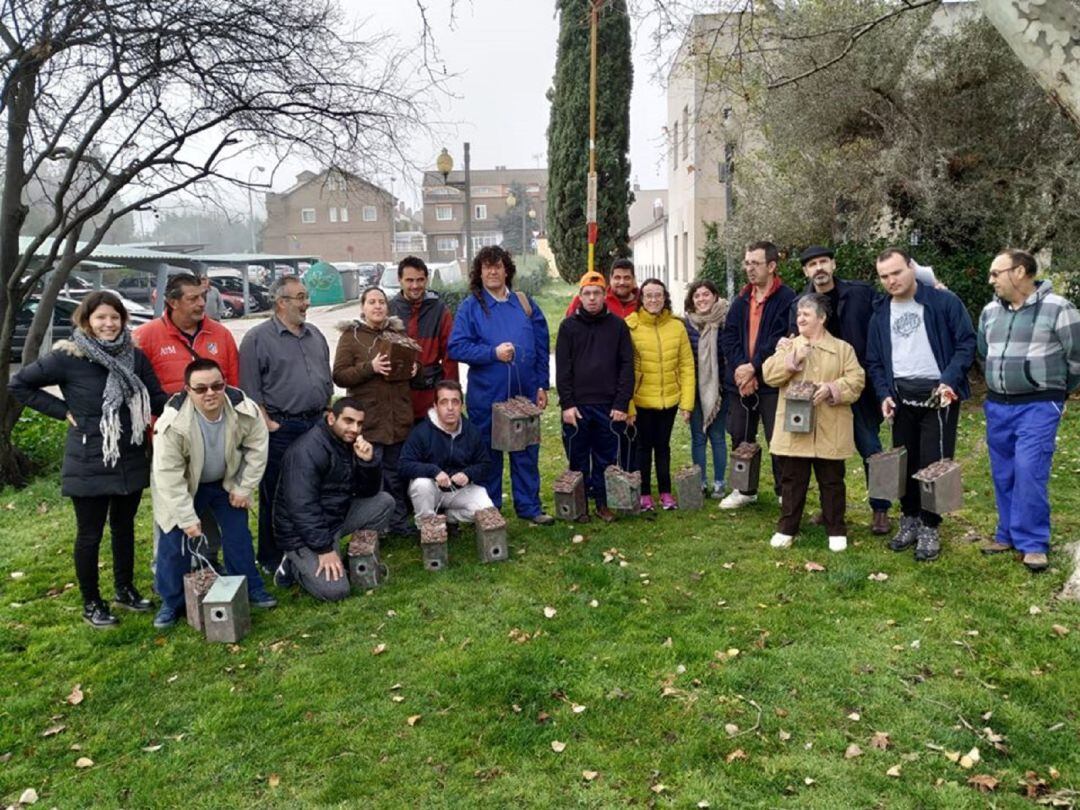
1021	440
524	471
174	560
592	447
713	436
867	425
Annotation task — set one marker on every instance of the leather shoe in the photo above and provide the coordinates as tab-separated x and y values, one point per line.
995	547
880	522
1036	562
128	597
583	518
605	514
542	519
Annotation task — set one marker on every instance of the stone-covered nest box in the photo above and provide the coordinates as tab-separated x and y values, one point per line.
365	570
687	484
515	425
745	467
799	407
402	351
433	542
888	474
570	501
940	488
491	545
623	490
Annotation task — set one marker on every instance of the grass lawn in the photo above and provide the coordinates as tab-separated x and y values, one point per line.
672	662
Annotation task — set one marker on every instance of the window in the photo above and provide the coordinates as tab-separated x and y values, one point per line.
344	214
479	212
484	240
333	214
446	244
685	132
675	153
335	182
307	216
369	213
444	213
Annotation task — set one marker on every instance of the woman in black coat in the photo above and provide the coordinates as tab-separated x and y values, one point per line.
109	392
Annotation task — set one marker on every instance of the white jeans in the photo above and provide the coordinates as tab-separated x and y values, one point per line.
459	505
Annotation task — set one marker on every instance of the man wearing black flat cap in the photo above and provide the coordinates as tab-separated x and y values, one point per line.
851	305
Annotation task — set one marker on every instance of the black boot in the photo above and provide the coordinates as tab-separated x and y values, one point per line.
128	597
96	614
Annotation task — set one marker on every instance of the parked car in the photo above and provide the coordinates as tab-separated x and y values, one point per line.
78	288
61	323
390	285
232	304
260	295
138	287
371	273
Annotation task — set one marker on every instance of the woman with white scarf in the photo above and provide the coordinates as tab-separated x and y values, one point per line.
109	393
705	313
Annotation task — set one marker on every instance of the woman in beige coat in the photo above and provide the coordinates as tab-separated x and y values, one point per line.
816	357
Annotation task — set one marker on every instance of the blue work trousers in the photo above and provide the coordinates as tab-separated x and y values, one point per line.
174	558
592	447
1021	440
524	471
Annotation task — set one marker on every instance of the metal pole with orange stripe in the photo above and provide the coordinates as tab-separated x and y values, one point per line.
590	205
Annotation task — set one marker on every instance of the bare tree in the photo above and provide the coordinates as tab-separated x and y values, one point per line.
130	101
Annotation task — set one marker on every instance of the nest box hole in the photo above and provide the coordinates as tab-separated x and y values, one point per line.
495	551
796	418
361	568
434	564
740	466
219	614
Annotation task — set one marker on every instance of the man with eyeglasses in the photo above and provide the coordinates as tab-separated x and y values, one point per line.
918	351
209	454
757	319
1029	341
285	369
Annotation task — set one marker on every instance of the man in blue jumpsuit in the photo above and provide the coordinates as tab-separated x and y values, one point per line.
503	337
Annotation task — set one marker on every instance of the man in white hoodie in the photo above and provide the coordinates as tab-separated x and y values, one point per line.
443	457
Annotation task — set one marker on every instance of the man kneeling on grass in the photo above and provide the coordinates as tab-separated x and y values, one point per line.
444	456
210	449
330	486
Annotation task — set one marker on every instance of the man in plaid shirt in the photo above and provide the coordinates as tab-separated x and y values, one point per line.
1029	340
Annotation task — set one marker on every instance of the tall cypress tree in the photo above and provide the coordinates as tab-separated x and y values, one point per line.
568	137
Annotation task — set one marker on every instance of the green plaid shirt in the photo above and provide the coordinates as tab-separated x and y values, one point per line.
1031	353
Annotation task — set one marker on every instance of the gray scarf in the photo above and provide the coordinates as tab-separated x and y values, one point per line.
122	385
708	366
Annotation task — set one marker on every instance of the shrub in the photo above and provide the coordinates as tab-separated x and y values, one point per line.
41	438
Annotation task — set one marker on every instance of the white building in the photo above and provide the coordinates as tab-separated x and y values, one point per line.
648	234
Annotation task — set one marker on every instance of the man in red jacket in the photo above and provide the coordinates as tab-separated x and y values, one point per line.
427	321
183	334
622	294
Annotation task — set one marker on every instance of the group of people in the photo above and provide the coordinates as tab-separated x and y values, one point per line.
232	421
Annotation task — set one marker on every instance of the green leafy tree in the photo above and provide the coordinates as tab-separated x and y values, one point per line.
568	138
510	222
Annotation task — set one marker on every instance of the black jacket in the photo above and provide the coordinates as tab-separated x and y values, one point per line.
736	335
320	476
594	361
850	323
82	382
430	450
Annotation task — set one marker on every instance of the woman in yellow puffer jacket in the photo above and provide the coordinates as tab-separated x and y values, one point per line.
663	383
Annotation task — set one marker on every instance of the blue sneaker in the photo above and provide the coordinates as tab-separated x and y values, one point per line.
166	617
263	600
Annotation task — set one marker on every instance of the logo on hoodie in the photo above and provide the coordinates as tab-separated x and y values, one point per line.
212	347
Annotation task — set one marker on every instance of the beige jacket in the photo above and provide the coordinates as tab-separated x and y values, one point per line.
832	362
178	456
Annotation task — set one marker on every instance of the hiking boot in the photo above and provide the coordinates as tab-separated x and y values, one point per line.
166	617
646	503
605	514
541	520
906	536
736	499
1036	562
96	614
667	502
927	544
780	540
128	597
880	522
283	576
996	547
837	542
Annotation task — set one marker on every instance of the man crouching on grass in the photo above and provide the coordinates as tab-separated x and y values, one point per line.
210	449
330	486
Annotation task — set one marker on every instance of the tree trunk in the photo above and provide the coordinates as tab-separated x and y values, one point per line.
1046	38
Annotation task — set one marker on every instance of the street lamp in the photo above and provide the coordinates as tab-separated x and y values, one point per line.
251	205
445	164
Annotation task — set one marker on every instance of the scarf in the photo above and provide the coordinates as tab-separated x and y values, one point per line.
122	385
708	371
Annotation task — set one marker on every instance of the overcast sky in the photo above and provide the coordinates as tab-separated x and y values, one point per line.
502	56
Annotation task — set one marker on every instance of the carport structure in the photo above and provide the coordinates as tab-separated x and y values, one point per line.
158	262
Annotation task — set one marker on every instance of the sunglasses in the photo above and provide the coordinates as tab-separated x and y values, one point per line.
217	388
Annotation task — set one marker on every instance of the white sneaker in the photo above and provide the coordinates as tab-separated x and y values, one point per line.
837	542
781	540
735	499
717	490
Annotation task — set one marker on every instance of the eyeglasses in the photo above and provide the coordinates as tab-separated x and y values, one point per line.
995	273
217	388
298	297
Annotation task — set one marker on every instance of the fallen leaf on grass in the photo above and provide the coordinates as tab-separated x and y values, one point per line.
738	753
84	762
1034	610
813	566
397	698
42	508
76	696
577	538
952	756
731	729
968	760
852	751
152	748
703	805
588	776
17	575
658	788
274	780
29	796
880	576
1060	629
542	717
577	708
808	781
894	772
784	735
855	716
728	566
666	642
378	649
984	782
594	604
52	731
549	612
413	719
558	747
